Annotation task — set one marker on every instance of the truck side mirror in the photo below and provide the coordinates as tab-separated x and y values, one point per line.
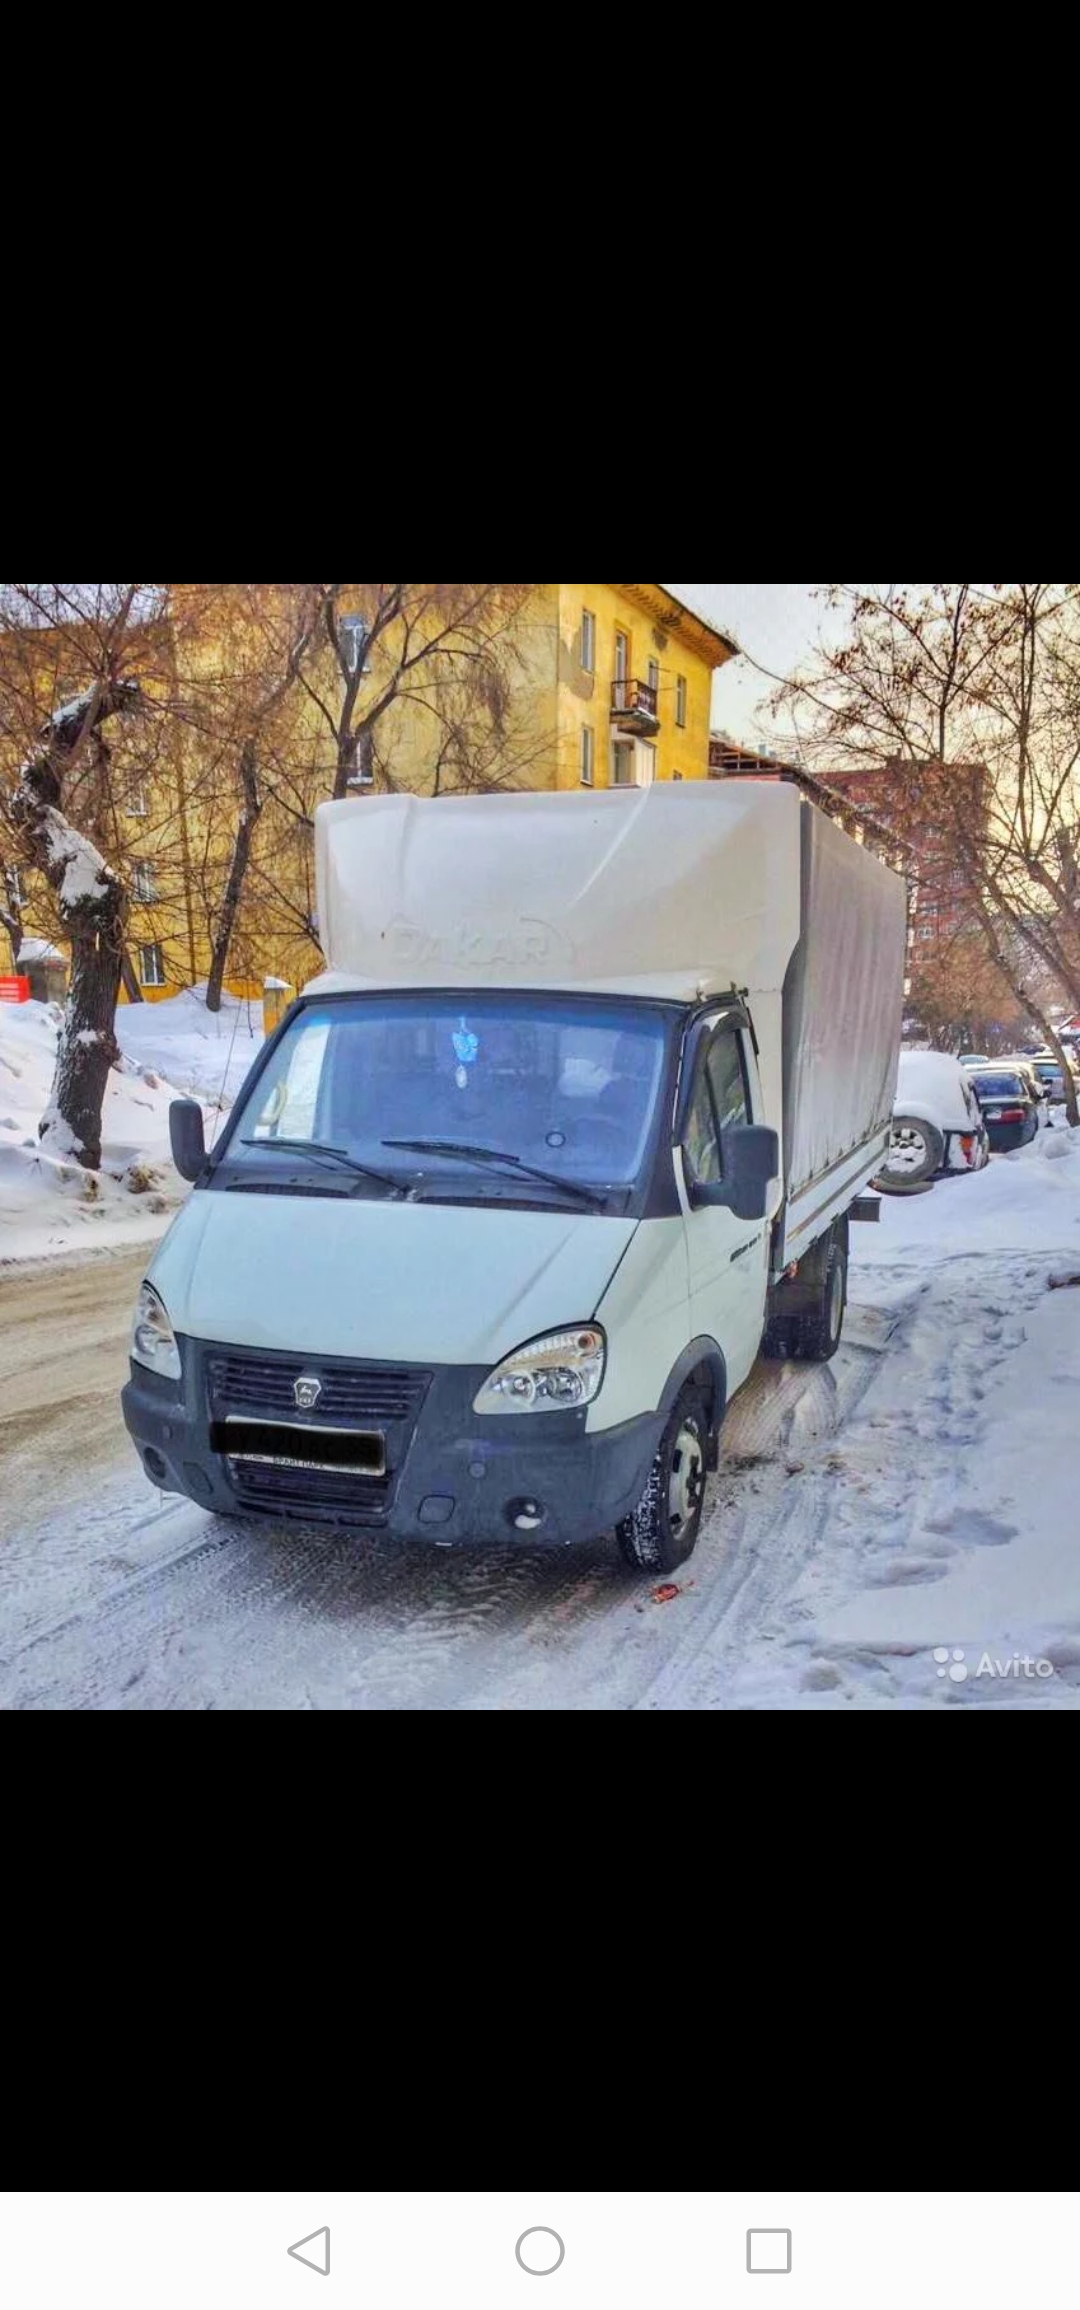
751	1158
187	1137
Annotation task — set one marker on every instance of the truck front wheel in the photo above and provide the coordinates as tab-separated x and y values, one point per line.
663	1529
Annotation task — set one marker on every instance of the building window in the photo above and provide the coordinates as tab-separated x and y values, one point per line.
151	966
676	778
622	655
15	886
654	675
145	885
622	763
588	642
588	756
680	701
135	806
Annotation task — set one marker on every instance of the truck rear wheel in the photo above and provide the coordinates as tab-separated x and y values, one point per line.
821	1325
663	1529
806	1315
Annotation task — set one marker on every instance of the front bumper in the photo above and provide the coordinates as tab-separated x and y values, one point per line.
451	1477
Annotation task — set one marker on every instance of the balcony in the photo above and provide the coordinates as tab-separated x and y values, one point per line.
635	707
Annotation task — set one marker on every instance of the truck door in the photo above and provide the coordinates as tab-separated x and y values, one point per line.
727	1256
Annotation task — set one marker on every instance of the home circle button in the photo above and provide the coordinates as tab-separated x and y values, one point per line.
540	2252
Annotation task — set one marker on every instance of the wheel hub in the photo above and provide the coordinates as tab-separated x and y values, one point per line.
687	1480
908	1152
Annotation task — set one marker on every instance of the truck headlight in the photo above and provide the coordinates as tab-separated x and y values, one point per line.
555	1374
153	1340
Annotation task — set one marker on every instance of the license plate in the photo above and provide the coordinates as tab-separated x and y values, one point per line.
284	1444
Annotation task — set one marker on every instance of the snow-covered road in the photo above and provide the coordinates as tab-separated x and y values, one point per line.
915	1496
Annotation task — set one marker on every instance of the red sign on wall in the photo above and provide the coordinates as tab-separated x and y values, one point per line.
14	990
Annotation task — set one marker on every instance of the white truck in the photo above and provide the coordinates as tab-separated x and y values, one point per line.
512	1198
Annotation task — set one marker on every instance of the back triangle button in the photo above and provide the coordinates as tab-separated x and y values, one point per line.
318	2258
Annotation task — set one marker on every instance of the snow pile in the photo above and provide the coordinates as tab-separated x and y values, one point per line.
945	1570
1024	1201
203	1055
49	1205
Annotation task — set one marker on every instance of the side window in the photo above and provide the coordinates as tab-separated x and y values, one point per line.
701	1142
720	1101
727	1076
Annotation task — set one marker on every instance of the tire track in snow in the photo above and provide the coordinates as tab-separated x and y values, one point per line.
253	1616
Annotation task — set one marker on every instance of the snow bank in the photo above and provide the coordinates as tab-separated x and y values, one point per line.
1026	1201
204	1056
50	1206
990	1568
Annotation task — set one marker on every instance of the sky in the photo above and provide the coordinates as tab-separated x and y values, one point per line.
777	625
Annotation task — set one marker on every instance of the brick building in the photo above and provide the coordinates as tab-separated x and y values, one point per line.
934	808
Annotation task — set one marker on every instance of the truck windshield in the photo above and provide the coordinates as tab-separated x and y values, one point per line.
566	1084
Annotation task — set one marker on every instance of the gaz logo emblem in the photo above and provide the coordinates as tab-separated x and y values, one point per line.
307	1392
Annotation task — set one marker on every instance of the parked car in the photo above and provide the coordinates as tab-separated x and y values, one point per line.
937	1122
975	1059
1051	1077
1010	1109
1017	1064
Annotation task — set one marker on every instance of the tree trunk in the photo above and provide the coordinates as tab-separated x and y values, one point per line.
10	913
132	989
1072	1102
234	888
92	905
88	1046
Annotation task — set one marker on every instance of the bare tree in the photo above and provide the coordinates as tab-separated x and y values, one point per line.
92	907
11	921
445	651
968	697
263	634
85	675
960	997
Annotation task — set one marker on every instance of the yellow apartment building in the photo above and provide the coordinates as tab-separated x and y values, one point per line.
610	685
633	685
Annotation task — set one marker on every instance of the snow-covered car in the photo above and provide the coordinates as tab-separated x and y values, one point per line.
1010	1108
937	1122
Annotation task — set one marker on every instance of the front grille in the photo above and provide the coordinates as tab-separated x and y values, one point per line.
290	1492
383	1399
362	1395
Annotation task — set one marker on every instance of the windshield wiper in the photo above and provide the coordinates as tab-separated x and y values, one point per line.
498	1155
318	1150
